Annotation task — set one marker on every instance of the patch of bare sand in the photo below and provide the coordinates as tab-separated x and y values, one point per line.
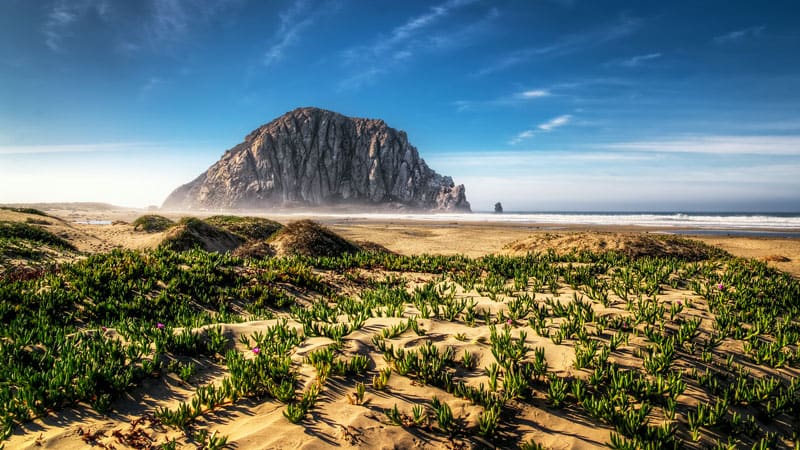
410	238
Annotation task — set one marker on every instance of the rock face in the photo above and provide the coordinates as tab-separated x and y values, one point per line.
311	157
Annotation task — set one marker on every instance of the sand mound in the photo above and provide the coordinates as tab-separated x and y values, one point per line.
27	248
308	238
152	223
250	228
634	245
190	233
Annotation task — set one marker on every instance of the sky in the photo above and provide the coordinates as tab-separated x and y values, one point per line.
542	105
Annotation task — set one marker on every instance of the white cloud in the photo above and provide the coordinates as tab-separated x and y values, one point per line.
739	35
639	59
552	124
545	127
727	145
535	93
521	136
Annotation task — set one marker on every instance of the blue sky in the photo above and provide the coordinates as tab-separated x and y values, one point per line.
542	105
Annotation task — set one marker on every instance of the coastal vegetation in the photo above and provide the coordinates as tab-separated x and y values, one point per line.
656	352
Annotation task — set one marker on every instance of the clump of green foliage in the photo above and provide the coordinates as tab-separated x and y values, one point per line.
152	223
249	228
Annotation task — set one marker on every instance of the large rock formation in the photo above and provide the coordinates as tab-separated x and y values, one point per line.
312	157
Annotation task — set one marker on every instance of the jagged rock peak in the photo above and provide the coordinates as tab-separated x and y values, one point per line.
317	158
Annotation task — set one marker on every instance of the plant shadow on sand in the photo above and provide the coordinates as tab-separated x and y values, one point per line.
323	343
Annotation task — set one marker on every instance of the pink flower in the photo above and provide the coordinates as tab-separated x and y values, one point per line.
509	321
104	329
256	350
160	326
679	303
721	287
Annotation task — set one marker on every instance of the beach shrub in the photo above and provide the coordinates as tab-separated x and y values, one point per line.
308	238
190	233
152	223
249	228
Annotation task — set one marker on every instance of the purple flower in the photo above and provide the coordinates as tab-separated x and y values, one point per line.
256	350
160	326
721	287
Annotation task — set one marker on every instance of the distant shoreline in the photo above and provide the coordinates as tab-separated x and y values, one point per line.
753	224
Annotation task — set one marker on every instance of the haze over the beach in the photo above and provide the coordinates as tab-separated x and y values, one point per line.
546	105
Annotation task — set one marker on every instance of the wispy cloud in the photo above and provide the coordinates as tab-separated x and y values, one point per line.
171	21
569	44
409	30
361	78
545	127
63	15
149	86
418	34
638	60
521	136
505	100
740	35
158	23
299	16
723	145
503	160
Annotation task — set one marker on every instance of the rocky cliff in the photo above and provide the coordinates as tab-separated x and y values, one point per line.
311	157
